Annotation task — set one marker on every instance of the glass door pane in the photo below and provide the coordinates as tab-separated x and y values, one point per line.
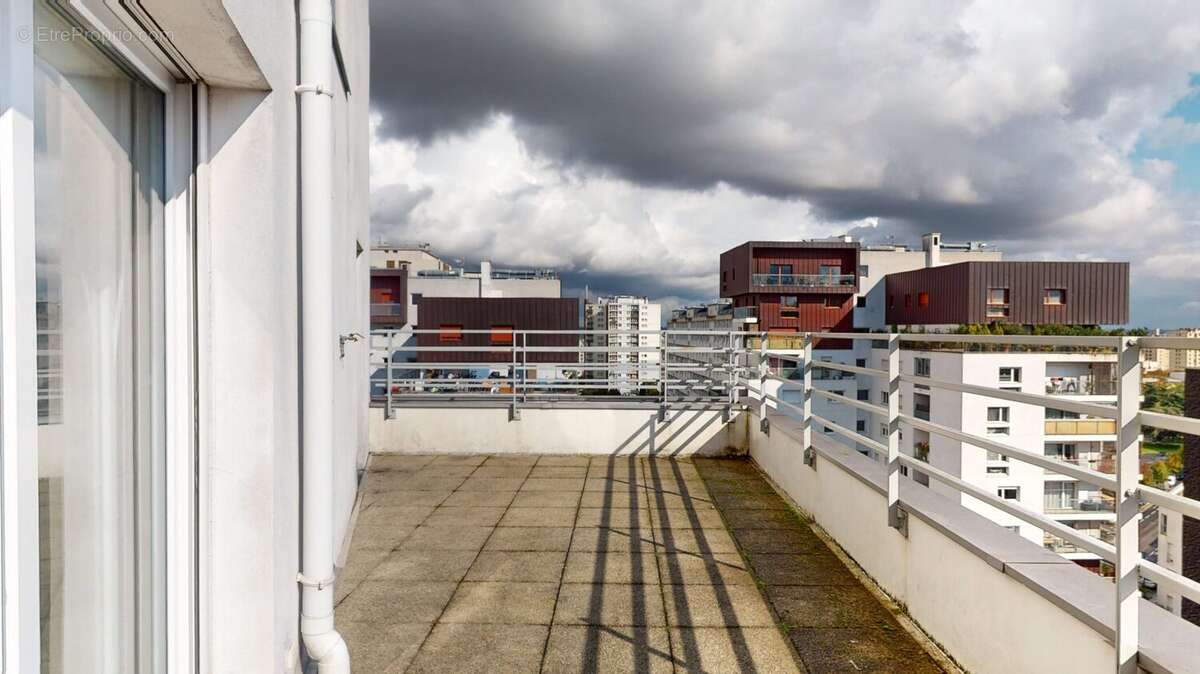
98	176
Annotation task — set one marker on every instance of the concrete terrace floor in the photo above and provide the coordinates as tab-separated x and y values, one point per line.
604	564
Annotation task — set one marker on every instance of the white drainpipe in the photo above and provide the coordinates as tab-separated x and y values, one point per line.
321	639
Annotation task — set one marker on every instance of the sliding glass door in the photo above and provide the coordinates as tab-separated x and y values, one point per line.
98	196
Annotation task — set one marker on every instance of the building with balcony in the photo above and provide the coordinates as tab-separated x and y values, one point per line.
617	322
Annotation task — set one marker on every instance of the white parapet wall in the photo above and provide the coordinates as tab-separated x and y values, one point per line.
557	430
994	601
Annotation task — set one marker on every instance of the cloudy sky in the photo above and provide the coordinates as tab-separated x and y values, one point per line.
628	142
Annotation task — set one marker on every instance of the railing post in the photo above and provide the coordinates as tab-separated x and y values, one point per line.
810	454
514	412
524	366
764	369
662	370
896	517
391	349
1128	514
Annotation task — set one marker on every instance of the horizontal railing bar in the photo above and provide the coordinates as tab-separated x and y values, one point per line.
860	404
1166	342
1034	340
1170	422
852	435
1102	480
1092	545
1052	402
488	331
1172	502
1163	576
869	371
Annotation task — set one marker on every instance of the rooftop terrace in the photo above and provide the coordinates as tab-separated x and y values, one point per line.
518	563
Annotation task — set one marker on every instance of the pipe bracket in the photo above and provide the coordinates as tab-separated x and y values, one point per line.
319	584
313	89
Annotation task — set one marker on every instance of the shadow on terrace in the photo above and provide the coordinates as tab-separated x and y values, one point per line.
510	563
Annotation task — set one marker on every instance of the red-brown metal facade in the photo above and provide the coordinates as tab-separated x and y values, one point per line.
1097	293
390	287
818	309
486	313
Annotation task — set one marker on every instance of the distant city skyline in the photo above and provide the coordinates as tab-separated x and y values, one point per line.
629	144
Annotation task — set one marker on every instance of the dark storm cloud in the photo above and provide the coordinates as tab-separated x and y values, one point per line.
862	112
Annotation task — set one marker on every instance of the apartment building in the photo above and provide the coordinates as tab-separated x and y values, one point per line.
1170	552
1182	359
181	433
619	318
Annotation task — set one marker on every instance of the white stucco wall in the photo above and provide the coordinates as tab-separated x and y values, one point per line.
249	350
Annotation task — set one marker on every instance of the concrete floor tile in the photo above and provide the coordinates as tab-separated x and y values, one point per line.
669	501
747	501
476	516
576	649
538	517
716	606
492	484
386	462
531	539
609	604
553	484
611	567
447	565
800	540
459	459
390	601
359	565
443	470
762	650
481	649
618	499
621	518
761	519
382	647
438	484
502	471
826	606
551	460
480	499
546	499
403	497
720	569
384	537
686	518
525	567
787	569
695	541
613	539
752	485
542	470
385	516
861	649
617	484
444	537
501	603
511	460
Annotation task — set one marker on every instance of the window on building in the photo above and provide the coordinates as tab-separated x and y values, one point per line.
864	271
839	393
860	362
1055	296
921	367
390	264
923	300
997	430
883	430
789	301
995	414
1010	374
502	334
450	333
1009	493
1162	520
883	397
1015	528
860	301
864	394
833	303
997	470
995	456
997	302
1052	413
860	425
829	270
921	406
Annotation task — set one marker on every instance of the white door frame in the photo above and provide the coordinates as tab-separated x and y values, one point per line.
174	391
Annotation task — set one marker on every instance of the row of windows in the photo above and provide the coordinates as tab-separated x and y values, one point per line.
997	300
453	333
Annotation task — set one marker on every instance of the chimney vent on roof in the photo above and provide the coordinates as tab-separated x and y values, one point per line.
932	243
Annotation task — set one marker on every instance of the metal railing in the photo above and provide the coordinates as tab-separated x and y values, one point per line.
732	371
1124	419
387	309
804	280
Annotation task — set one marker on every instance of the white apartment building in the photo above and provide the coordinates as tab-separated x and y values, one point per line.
1170	552
416	257
1065	436
619	318
1182	359
180	434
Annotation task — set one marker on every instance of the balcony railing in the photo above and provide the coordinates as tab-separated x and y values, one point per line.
804	280
730	375
387	309
1085	386
1081	427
